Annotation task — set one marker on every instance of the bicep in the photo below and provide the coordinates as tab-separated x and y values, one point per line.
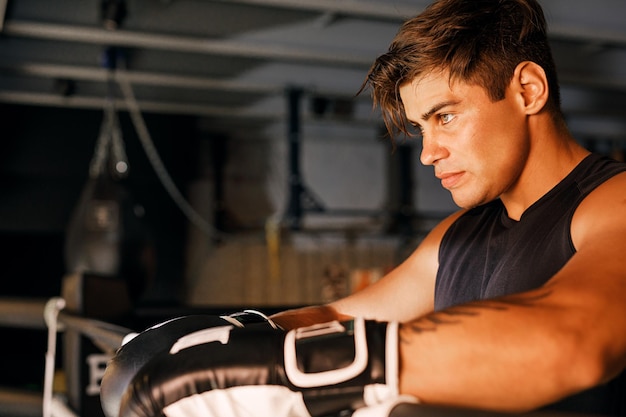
593	282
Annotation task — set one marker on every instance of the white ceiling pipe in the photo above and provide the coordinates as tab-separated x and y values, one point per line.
138	78
198	45
371	9
161	79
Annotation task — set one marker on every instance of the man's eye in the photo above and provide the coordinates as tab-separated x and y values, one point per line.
446	118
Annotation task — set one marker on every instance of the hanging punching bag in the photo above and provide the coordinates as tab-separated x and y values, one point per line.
95	230
106	234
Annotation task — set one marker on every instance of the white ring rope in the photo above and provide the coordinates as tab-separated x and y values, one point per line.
106	336
50	314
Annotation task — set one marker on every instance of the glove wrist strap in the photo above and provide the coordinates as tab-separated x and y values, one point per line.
332	377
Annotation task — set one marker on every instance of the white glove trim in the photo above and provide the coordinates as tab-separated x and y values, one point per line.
264	316
378	393
392	362
232	321
384	409
242	401
233	318
334	376
213	334
129	337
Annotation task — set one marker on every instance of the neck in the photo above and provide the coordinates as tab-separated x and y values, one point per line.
552	155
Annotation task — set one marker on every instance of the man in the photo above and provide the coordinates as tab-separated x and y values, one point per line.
477	79
517	301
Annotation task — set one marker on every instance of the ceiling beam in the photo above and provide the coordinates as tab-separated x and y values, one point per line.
215	117
98	103
81	73
359	8
98	36
137	77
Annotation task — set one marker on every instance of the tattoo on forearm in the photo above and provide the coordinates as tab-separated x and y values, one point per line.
456	314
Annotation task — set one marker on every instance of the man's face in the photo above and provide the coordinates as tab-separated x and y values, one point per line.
478	147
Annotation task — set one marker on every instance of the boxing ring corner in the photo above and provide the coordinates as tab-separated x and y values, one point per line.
49	315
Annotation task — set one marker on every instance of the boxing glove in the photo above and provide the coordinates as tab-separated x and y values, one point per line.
247	317
230	372
139	348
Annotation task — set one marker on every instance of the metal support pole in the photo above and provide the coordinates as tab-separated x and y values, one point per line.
3	11
294	210
401	191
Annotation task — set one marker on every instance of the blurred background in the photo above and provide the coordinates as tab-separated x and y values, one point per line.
212	155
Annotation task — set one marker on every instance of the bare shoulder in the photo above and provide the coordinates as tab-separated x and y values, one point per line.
602	214
428	250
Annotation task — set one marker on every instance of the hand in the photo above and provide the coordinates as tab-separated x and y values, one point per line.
228	371
307	316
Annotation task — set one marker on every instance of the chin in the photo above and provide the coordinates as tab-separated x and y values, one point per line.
468	202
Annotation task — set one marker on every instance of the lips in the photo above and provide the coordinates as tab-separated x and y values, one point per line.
450	179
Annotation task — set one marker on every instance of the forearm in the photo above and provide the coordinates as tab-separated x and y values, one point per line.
510	355
306	316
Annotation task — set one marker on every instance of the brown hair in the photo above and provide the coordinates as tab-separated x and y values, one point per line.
480	42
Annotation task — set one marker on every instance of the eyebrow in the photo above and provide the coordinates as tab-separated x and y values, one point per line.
437	107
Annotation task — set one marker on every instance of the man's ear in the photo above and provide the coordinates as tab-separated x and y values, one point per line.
529	79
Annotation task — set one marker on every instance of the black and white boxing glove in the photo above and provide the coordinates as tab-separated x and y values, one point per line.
248	317
140	348
230	372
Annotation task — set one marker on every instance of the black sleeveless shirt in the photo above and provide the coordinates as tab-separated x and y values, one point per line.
485	254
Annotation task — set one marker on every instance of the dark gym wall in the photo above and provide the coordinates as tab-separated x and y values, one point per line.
44	160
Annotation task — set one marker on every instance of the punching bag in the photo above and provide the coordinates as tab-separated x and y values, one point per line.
106	234
95	230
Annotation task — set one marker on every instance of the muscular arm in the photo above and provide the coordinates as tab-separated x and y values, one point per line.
405	293
527	350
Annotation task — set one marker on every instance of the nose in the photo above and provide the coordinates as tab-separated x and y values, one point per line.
432	150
